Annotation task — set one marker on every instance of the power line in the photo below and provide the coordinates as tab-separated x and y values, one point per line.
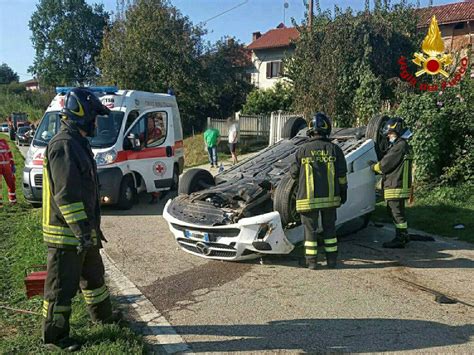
224	12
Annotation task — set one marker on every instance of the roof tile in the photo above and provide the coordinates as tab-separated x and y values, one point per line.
278	37
456	12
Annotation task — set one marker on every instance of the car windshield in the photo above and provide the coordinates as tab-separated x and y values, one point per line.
22	130
108	128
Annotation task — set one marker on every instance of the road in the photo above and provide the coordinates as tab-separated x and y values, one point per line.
378	300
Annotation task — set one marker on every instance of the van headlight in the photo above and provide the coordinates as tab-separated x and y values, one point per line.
107	157
29	157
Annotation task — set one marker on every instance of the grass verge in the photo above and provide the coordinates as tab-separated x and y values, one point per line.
438	210
20	247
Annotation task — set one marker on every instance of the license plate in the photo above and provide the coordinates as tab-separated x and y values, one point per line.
196	235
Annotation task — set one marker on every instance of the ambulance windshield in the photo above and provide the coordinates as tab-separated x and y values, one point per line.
108	128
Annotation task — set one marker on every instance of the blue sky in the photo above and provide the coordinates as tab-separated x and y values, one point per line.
254	15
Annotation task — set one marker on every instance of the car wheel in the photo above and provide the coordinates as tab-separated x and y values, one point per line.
195	180
36	204
374	131
127	193
175	185
284	201
293	126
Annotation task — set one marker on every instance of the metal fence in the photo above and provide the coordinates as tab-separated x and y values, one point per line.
262	127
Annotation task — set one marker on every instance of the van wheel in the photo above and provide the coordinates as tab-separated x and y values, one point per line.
293	126
175	185
284	201
195	180
126	194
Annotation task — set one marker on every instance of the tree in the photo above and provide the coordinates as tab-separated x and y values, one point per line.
67	37
7	75
265	101
153	47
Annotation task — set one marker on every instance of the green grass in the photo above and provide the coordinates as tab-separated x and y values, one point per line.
437	210
195	154
20	247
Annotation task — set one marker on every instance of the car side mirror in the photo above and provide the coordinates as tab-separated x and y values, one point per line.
134	142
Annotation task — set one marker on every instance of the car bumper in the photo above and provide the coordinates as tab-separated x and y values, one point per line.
233	242
33	184
109	184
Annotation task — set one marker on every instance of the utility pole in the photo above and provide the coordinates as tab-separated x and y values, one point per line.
310	14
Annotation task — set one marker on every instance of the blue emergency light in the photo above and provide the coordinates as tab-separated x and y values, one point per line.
106	89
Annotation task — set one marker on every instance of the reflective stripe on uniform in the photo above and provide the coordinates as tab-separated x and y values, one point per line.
309	180
331	177
310	244
96	295
330	249
330	241
75	217
60	239
72	207
311	251
401	225
319	202
377	168
406	168
45	308
396	193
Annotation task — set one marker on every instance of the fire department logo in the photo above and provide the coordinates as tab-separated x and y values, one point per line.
159	168
435	60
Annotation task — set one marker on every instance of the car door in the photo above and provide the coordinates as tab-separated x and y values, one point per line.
152	153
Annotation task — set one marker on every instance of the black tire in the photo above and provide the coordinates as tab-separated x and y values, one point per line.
374	131
195	180
36	204
127	193
284	201
293	126
175	185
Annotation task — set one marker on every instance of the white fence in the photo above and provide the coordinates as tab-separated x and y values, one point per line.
262	127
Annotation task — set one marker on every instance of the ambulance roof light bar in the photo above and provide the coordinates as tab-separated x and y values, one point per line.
105	89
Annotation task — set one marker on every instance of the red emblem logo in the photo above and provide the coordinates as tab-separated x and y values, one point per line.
159	168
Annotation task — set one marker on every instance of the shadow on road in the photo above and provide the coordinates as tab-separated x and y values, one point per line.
333	335
143	207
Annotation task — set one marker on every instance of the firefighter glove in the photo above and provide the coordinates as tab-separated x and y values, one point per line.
85	244
343	196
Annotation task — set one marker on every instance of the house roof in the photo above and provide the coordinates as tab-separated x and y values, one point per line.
450	13
31	81
276	38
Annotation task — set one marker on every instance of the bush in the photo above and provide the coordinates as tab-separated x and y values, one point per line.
265	101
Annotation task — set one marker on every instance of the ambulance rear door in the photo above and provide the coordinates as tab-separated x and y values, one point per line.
148	144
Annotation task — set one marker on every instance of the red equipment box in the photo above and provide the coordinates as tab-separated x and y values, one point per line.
34	281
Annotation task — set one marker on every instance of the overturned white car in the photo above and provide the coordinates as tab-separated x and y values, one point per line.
250	209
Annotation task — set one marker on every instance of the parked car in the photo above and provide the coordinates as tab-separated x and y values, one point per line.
137	147
250	209
4	127
22	136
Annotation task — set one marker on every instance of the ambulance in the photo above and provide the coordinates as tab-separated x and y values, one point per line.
137	147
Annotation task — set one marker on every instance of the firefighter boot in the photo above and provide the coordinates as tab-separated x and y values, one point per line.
312	263
331	259
400	240
67	344
115	318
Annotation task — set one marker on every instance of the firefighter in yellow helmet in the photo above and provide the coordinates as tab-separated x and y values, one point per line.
71	223
395	167
320	168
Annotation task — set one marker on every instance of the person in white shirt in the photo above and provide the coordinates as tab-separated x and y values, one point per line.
233	138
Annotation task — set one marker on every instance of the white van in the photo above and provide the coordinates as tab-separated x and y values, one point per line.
138	147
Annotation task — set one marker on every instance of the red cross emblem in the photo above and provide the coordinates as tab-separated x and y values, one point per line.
159	168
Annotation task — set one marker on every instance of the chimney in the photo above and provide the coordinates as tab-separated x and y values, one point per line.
255	36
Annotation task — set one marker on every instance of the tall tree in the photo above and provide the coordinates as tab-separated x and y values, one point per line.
7	75
67	37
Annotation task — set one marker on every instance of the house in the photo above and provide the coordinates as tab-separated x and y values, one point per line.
31	85
268	51
455	21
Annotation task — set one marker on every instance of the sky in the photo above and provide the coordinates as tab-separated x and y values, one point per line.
243	18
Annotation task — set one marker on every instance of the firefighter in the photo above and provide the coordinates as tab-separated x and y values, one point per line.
395	168
7	169
71	222
320	169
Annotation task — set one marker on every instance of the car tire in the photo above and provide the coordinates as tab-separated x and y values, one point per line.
36	204
175	185
293	126
127	193
284	201
195	180
374	131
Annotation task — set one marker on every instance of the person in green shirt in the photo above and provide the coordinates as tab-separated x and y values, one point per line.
211	138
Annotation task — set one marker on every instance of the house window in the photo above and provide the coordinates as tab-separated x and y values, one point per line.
274	69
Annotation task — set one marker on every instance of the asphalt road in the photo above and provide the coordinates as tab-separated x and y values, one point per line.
378	300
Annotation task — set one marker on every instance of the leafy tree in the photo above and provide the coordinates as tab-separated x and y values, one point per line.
153	47
67	37
264	101
7	75
341	59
